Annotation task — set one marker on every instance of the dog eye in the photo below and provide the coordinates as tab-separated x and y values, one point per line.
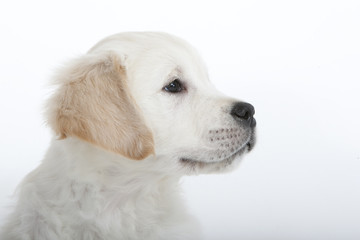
174	87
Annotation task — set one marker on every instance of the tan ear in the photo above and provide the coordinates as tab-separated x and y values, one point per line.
93	103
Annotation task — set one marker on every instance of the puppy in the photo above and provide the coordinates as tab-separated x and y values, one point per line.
130	118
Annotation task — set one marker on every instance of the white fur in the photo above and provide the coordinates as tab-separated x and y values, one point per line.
85	191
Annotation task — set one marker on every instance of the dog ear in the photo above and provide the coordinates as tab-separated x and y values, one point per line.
93	103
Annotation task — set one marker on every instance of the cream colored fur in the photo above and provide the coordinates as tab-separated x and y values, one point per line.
122	143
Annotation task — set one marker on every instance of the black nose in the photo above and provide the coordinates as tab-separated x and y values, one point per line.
244	112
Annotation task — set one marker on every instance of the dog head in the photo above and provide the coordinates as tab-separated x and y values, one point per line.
148	96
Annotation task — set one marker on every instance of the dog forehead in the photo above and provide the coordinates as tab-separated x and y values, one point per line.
133	44
153	47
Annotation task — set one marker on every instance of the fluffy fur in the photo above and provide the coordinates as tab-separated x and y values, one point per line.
122	142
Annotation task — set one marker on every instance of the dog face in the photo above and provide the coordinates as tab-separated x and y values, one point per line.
148	96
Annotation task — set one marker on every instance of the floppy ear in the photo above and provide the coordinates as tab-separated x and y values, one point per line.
93	103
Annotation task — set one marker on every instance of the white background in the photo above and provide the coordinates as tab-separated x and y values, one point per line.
297	62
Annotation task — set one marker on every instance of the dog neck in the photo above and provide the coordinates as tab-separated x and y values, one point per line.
89	190
75	171
82	163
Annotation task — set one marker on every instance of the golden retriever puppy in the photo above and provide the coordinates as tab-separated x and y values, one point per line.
130	118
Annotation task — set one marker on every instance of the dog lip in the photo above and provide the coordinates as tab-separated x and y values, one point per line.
248	146
251	143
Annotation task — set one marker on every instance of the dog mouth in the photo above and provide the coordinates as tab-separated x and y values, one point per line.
251	143
247	147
